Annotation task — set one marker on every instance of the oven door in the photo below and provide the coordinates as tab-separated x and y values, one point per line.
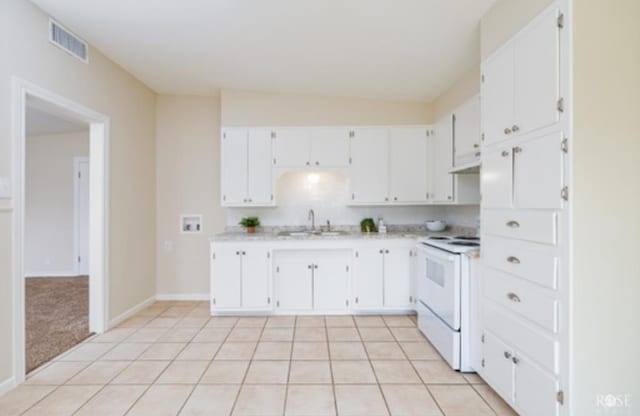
439	284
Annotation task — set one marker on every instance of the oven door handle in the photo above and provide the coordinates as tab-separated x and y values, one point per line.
437	253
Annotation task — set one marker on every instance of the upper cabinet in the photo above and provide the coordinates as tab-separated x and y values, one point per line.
442	149
369	169
246	167
521	82
311	147
408	167
466	132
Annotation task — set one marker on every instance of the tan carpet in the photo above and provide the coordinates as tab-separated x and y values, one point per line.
57	316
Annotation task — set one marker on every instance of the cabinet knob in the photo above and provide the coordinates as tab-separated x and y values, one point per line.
449	197
513	297
386	199
244	253
317	163
476	145
357	300
507	130
515	360
395	198
308	163
507	355
386	251
381	251
515	128
513	224
237	253
513	260
517	149
505	153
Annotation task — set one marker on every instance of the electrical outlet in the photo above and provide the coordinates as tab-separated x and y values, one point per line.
5	188
168	246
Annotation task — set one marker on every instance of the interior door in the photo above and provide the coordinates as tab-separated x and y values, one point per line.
292	148
259	181
408	175
82	216
330	147
442	160
496	178
255	278
370	165
397	277
331	284
367	278
535	187
293	284
234	166
537	73
226	275
467	130
497	92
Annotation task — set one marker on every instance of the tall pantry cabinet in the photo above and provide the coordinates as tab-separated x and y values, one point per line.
524	286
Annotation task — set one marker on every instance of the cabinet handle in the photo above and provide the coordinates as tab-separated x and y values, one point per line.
449	197
268	301
515	360
315	266
517	149
507	355
513	260
278	304
317	163
476	145
357	300
513	224
505	153
381	251
515	128
308	163
513	297
395	198
386	199
386	251
309	266
244	253
237	253
507	130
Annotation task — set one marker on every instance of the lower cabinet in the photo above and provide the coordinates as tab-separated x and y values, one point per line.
308	280
383	277
240	277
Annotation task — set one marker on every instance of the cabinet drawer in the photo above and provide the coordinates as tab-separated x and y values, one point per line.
536	226
540	347
522	298
534	262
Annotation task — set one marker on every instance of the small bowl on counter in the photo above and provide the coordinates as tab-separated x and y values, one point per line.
435	225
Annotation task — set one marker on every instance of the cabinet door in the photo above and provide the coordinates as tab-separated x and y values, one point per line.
259	179
368	274
370	166
330	147
408	176
234	166
293	285
537	73
255	278
537	174
330	285
291	148
498	367
466	131
226	274
498	95
397	277
535	389
496	178
442	161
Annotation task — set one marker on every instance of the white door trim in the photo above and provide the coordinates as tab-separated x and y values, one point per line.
98	207
76	210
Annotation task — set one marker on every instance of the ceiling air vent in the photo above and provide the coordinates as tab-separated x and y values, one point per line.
67	41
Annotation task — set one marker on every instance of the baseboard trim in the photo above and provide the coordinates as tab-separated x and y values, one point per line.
182	296
7	385
131	311
53	274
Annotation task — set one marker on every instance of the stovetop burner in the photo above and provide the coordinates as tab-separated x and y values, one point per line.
466	237
464	243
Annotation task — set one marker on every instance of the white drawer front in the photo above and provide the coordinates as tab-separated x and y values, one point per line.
446	341
522	298
534	262
540	347
536	226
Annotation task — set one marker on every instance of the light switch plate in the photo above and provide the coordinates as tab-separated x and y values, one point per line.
5	188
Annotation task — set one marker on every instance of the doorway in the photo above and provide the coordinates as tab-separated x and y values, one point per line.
83	244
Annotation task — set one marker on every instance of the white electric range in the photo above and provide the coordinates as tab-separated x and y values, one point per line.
443	296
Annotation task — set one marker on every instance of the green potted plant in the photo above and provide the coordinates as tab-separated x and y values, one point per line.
367	225
250	223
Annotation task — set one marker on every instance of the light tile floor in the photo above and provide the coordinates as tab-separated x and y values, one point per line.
174	359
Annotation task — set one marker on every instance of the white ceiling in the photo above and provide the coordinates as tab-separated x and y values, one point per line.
40	121
388	49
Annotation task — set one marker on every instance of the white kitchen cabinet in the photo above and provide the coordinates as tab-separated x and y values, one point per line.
368	278
528	175
521	81
466	132
246	168
330	147
330	283
408	170
291	147
293	284
497	367
240	277
398	277
369	170
441	144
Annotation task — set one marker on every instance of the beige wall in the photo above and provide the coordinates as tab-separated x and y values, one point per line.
465	88
188	182
49	243
247	108
606	197
504	19
106	88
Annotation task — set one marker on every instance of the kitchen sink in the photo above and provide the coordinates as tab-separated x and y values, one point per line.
304	233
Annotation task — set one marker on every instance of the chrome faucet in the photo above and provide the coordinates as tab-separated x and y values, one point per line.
312	218
328	225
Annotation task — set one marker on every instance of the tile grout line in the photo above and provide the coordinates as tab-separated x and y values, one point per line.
374	370
286	389
333	382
